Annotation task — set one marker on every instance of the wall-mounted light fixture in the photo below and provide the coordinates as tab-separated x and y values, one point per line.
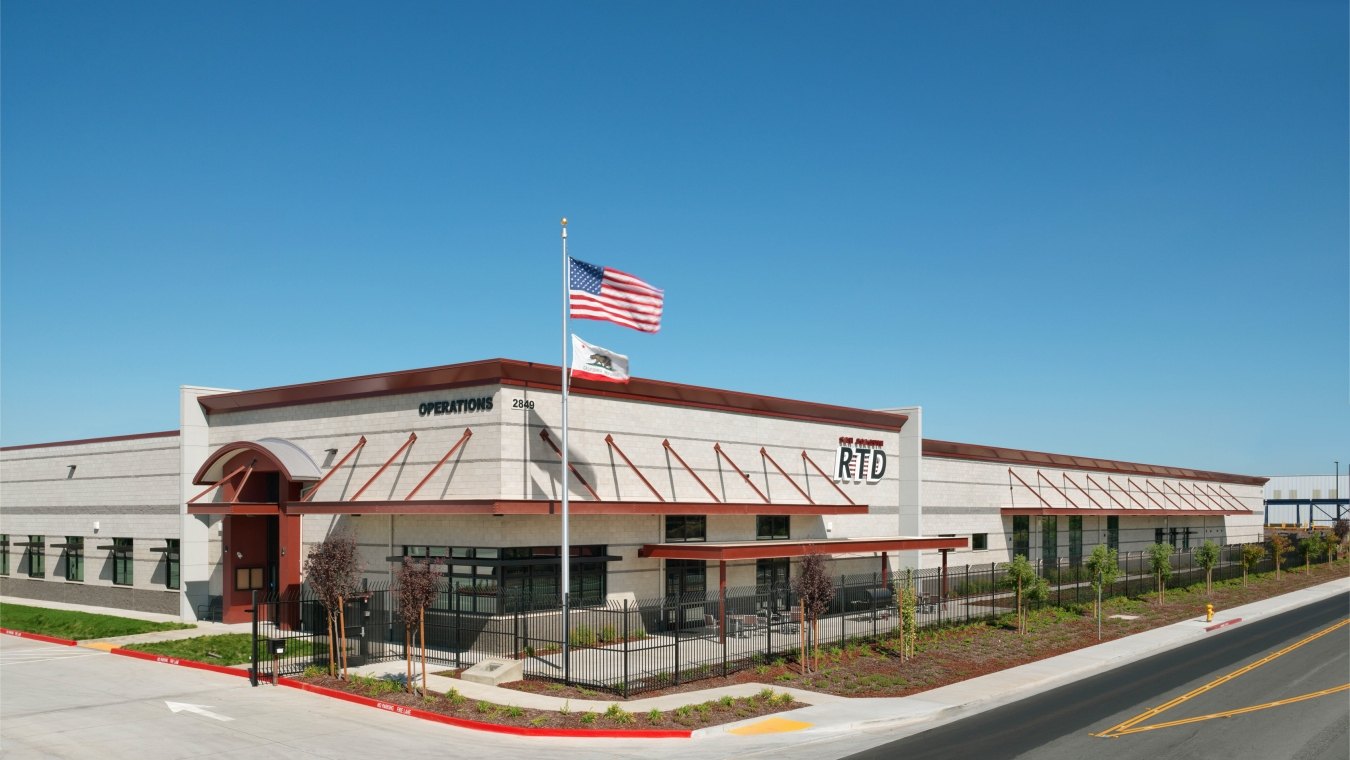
238	555
96	526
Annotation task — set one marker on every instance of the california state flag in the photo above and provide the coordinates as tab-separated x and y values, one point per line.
596	363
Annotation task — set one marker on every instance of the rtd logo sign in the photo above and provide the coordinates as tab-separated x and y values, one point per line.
859	459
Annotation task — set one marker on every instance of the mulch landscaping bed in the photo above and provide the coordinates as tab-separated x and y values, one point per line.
952	654
858	669
455	705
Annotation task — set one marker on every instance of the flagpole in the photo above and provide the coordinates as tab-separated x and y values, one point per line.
566	557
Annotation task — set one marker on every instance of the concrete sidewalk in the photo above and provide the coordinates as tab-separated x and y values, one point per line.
961	700
827	712
930	708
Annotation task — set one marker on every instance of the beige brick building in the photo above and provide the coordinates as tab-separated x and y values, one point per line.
674	488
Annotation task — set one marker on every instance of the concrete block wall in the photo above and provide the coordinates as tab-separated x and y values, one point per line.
531	468
963	497
119	489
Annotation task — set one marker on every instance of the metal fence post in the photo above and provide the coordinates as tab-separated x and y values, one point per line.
678	600
625	648
253	669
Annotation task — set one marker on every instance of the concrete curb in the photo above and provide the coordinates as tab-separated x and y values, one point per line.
38	637
598	733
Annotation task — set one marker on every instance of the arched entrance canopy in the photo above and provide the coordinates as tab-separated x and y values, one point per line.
278	454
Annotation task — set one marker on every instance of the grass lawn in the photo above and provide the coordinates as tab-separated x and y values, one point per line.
67	624
222	649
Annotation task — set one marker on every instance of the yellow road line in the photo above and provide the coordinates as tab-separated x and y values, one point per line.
1239	711
1122	728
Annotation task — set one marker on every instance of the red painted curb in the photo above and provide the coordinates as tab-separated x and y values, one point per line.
181	662
599	733
38	637
1224	623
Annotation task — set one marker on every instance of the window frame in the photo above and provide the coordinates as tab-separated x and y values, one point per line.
1021	536
1113	532
766	527
688	529
4	554
1075	540
37	556
1050	541
979	542
124	563
173	564
75	559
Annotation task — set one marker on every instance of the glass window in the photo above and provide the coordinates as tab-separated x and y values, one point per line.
4	554
171	564
684	528
1172	537
37	557
122	564
979	541
1021	536
1158	535
1113	532
1075	540
1049	541
75	558
686	576
1185	538
772	527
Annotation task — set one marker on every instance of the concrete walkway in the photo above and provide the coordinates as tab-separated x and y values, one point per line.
826	712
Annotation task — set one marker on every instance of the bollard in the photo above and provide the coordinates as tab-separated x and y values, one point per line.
1209	613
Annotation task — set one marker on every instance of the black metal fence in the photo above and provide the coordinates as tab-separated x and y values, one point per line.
632	646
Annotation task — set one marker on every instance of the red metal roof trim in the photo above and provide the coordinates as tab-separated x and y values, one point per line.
106	439
543	376
723	552
952	450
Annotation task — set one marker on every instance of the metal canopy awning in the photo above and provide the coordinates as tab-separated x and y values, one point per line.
548	506
725	551
1080	511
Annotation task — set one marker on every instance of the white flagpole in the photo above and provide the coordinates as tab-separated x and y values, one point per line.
566	557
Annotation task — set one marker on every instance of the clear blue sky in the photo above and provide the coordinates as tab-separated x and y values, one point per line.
1106	229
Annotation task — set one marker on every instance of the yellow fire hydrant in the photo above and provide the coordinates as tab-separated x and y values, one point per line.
1209	613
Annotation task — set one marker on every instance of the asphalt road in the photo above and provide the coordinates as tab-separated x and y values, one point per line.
1066	723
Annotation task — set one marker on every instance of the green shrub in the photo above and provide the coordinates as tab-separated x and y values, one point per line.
587	717
608	634
582	636
514	712
765	694
654	715
726	700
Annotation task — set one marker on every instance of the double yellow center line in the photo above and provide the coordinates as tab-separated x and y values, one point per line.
1132	726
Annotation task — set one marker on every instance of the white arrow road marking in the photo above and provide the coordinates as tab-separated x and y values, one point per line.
198	709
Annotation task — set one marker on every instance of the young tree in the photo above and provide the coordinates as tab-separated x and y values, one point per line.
1252	554
418	586
1315	545
1207	556
1022	577
908	602
1160	564
1104	564
815	591
1342	530
1279	546
333	570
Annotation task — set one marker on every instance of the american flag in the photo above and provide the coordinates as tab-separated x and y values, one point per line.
613	296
